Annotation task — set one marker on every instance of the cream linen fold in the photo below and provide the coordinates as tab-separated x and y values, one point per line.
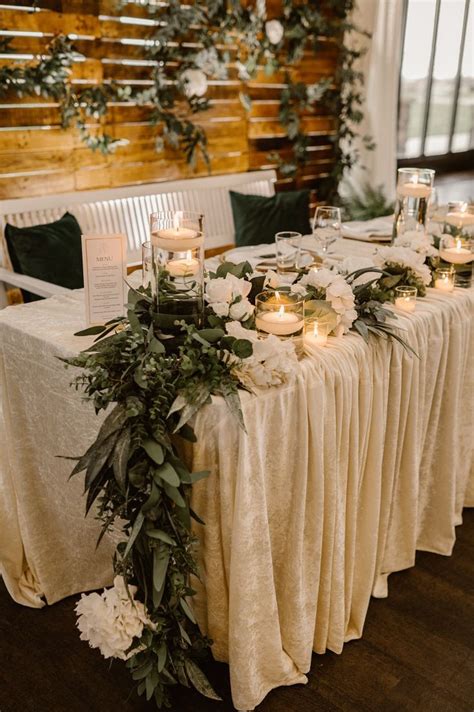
341	476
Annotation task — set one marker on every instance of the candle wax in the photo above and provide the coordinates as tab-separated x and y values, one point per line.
280	323
406	304
445	285
414	190
183	268
456	255
177	240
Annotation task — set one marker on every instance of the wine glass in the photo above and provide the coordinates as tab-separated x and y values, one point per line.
326	228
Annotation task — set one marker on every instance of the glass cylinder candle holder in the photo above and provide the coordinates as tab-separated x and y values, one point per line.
414	186
405	298
460	216
315	333
147	264
281	315
178	268
287	251
444	279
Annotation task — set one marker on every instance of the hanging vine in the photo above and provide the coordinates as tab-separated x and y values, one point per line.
191	45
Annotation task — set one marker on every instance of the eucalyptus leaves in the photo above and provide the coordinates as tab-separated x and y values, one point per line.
188	47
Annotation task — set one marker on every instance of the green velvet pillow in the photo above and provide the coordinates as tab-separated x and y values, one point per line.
51	252
257	219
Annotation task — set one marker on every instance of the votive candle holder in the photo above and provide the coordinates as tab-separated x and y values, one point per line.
281	315
444	279
405	298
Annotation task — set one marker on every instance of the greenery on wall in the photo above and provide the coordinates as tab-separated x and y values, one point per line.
192	44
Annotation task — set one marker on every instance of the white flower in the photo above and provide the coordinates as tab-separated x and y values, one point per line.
275	281
240	287
274	31
220	308
241	310
352	264
112	620
272	362
405	257
319	278
208	61
235	328
299	289
418	242
219	290
195	82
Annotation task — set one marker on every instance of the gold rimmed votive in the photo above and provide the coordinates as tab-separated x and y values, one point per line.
405	298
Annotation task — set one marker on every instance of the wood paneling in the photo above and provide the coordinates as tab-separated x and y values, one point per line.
38	157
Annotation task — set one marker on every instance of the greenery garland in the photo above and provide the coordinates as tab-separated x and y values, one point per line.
151	384
190	44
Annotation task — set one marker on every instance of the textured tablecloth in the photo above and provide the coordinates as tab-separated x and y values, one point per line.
343	474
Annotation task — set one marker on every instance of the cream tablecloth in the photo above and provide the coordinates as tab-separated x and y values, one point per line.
343	474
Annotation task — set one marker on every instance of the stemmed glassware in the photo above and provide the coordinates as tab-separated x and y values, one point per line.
326	228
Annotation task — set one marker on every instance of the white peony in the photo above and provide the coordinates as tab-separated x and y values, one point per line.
272	362
240	287
112	620
417	241
195	82
319	278
274	31
241	310
298	289
405	257
352	264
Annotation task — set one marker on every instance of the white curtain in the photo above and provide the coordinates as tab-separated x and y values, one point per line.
381	68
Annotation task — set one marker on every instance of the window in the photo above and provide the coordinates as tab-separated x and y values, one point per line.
436	106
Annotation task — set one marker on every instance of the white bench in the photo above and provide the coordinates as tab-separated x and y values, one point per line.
127	210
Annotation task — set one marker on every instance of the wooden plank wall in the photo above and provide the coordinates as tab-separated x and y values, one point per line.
37	157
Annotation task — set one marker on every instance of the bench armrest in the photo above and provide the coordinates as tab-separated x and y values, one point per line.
31	284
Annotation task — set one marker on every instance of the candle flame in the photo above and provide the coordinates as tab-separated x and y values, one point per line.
315	329
414	180
458	244
281	311
177	217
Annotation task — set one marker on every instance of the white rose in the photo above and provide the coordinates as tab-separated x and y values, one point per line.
195	82
240	311
274	31
220	308
219	290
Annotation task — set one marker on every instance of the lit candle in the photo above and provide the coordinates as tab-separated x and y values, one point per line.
177	238
461	218
184	267
280	323
458	255
444	280
318	335
406	304
413	189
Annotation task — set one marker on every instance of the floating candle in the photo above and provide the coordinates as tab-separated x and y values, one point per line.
186	267
458	255
280	323
413	189
445	284
177	238
406	304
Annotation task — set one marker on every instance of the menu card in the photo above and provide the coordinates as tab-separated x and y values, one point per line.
104	260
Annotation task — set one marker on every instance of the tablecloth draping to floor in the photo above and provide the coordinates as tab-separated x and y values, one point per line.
341	476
